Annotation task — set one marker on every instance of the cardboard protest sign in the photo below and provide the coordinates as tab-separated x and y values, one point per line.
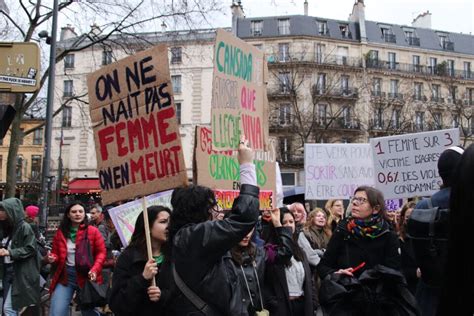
124	216
136	133
406	165
220	171
239	98
334	171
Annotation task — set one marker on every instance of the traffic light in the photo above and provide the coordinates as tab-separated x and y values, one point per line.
7	113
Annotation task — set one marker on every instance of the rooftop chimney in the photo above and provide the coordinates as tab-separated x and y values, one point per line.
306	7
358	16
67	32
423	20
237	13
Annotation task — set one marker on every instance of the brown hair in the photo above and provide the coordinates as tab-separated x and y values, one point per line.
405	208
375	199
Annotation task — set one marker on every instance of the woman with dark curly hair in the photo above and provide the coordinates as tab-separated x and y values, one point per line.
199	245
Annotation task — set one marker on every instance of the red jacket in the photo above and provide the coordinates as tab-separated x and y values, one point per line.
60	251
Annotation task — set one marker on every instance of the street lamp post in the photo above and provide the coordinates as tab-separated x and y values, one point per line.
45	177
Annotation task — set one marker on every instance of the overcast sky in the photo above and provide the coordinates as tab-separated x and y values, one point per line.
447	15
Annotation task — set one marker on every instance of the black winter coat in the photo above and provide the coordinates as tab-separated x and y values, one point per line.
129	295
346	250
408	264
199	253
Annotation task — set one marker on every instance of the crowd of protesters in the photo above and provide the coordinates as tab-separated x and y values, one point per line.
286	261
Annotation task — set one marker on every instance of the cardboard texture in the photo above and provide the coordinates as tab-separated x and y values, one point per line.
220	171
239	97
136	132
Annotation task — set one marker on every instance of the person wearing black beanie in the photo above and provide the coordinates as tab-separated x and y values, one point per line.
429	286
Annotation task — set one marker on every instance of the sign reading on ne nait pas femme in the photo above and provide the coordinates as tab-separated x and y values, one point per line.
136	133
407	165
334	171
239	97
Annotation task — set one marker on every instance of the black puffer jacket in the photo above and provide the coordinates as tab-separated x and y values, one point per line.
199	253
346	250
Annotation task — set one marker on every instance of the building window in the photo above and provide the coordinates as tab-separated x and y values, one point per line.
437	120
321	85
346	116
106	57
435	92
378	118
320	51
176	82
419	120
418	91
284	26
455	121
373	58
284	78
176	55
323	28
68	88
285	149
392	61
387	34
394	88
67	116
396	118
433	65
342	53
256	28
377	87
345	85
178	112
35	167
416	63
452	92
322	113
470	96
258	46
345	33
69	61
467	70
19	168
285	114
283	52
38	136
288	178
451	67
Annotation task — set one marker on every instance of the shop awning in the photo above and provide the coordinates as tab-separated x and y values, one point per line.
83	186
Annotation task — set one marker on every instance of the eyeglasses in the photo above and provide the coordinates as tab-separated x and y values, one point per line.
358	200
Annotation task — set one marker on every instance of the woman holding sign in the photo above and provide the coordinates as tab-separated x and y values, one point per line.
200	246
362	243
132	292
68	277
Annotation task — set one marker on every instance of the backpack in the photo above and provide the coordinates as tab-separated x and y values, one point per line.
429	230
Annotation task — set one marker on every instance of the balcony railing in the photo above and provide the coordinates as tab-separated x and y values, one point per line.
308	57
395	95
413	41
437	99
348	92
390	38
419	97
438	70
448	45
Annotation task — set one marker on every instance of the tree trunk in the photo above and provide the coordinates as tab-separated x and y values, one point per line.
15	137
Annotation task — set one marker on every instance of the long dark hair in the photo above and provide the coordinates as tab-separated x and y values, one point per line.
295	248
65	225
403	228
237	252
7	226
458	288
138	239
191	205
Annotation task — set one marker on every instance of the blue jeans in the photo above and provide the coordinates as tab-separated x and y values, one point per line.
62	296
8	276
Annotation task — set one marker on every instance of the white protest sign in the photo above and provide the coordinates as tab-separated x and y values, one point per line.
124	216
406	165
334	171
